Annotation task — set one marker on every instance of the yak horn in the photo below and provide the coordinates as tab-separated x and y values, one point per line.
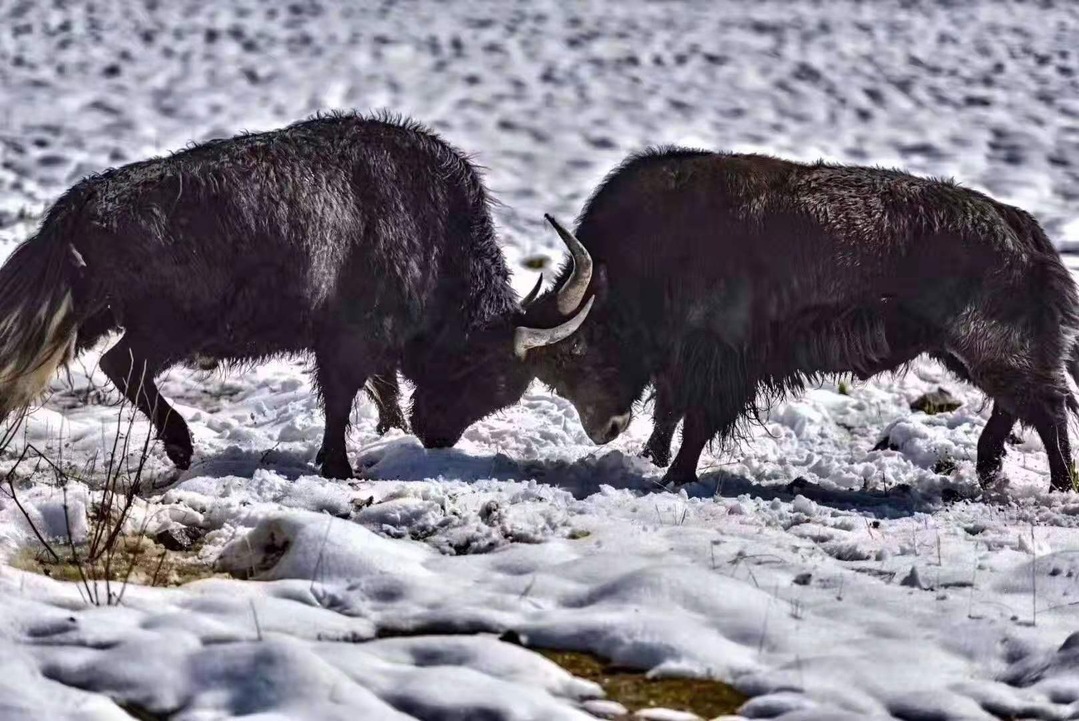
572	292
525	339
527	300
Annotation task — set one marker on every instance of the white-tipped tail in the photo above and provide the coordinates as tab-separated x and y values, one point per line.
37	320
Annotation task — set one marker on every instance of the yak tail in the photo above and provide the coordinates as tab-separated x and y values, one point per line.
38	323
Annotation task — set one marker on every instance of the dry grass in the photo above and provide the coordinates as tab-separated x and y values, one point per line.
113	554
635	691
135	559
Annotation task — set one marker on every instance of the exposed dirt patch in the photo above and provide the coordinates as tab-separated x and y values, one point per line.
138	559
635	691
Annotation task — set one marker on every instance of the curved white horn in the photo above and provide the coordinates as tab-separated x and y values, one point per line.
572	292
525	339
527	300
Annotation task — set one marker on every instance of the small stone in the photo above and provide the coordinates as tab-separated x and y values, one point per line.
913	579
949	495
491	513
603	708
938	401
803	579
535	262
945	466
885	444
177	538
512	637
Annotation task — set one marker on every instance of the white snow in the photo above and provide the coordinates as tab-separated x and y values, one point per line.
823	578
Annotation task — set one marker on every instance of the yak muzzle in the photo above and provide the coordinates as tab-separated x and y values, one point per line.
436	437
606	430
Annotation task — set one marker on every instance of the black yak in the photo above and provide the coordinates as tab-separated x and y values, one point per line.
727	279
367	242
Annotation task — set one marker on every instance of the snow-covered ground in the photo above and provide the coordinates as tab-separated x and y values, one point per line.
861	591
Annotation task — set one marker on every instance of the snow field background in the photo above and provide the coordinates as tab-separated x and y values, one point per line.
861	591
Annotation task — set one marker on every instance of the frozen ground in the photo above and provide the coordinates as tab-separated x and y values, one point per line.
860	592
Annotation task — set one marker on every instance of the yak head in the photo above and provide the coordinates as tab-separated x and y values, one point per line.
591	368
489	369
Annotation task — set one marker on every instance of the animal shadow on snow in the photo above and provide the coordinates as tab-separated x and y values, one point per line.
404	459
241	463
880	504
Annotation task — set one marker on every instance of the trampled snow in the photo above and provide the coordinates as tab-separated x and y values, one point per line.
825	579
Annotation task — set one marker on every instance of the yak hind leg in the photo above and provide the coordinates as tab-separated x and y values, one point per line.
383	390
132	367
1047	413
1026	381
991	443
665	417
1050	420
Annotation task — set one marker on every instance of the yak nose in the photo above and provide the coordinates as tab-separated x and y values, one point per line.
613	428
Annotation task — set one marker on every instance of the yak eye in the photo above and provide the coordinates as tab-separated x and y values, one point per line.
578	346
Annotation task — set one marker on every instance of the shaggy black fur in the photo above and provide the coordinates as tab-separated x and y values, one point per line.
729	279
366	241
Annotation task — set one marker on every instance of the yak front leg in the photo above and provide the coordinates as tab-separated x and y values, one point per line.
132	369
698	429
665	417
991	444
339	376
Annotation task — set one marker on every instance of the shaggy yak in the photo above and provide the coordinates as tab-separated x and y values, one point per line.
723	278
365	241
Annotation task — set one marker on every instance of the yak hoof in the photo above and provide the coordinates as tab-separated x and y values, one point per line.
1063	485
990	473
674	478
337	469
659	457
179	453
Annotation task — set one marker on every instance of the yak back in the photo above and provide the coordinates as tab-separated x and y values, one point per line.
256	244
734	244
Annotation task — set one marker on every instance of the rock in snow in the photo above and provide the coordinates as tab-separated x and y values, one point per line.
938	401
